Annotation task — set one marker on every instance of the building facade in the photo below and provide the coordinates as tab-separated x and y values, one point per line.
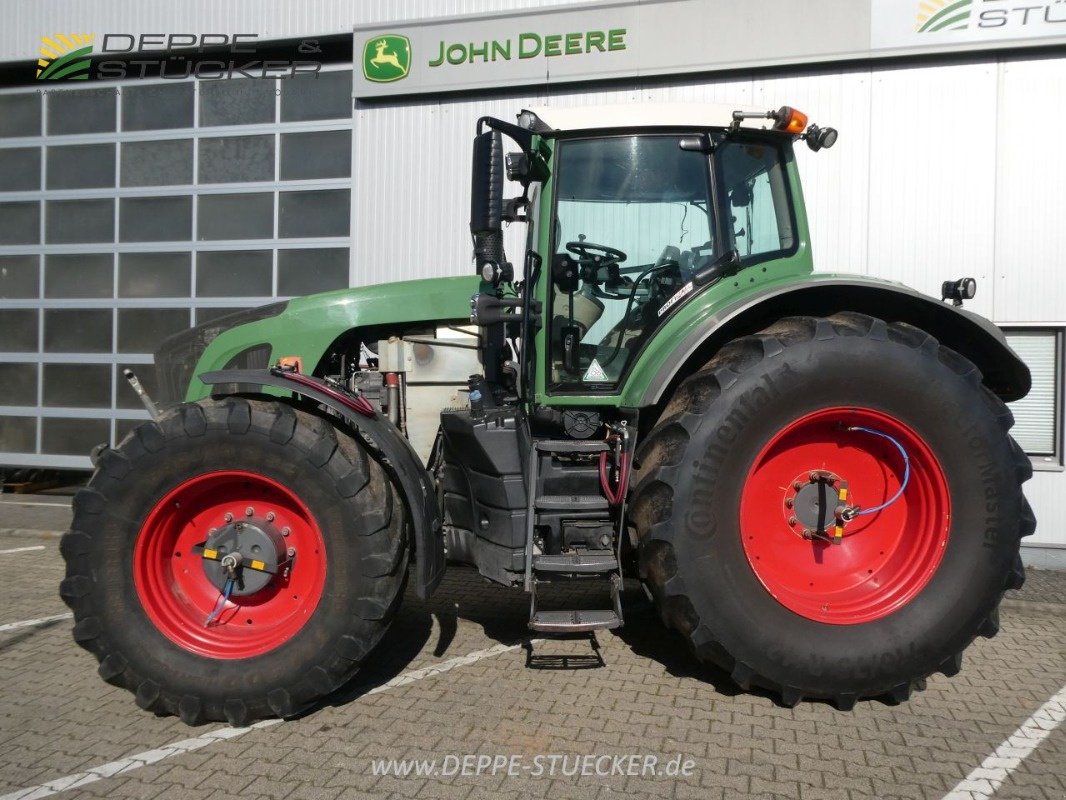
131	209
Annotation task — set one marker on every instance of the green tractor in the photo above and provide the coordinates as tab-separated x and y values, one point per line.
811	475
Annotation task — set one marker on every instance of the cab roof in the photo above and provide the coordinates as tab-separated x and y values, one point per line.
645	115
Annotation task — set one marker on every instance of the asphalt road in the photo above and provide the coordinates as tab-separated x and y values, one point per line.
450	681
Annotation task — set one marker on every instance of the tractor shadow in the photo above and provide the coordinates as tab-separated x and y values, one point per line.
503	613
28	633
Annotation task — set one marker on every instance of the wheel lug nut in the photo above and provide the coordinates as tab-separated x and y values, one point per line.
792	520
285	531
228	517
249	511
291	552
797	485
789	502
270	516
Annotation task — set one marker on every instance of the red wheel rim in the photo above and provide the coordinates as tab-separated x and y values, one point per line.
177	595
886	558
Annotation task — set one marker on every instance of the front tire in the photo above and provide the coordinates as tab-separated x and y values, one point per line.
752	438
150	605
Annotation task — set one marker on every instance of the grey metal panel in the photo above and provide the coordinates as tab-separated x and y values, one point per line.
19	277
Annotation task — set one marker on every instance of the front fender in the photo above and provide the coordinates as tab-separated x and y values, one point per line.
394	453
710	327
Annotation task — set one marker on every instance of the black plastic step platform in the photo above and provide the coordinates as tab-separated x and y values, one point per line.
567	446
576	562
574	621
578	504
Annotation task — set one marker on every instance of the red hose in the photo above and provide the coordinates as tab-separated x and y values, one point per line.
615	497
605	483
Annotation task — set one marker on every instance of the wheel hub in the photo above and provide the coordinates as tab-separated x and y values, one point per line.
812	547
250	553
232	530
814	506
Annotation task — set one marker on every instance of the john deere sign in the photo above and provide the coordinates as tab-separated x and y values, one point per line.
634	39
542	46
386	58
530	45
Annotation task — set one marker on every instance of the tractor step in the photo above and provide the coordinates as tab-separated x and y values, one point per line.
574	621
576	563
575	503
571	446
578	620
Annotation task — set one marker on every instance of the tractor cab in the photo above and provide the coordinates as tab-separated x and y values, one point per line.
630	215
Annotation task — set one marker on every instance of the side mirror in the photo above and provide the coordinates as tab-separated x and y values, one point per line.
740	196
486	199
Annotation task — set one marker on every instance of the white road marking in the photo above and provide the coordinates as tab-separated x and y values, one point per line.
21	549
445	666
33	503
143	759
986	779
29	623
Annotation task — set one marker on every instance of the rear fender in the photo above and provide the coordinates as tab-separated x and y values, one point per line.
965	332
390	447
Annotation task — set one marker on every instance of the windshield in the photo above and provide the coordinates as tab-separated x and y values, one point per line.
633	223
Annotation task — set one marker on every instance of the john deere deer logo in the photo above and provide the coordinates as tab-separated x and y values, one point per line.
386	58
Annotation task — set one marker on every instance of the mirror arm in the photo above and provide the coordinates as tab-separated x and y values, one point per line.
522	136
726	264
512	207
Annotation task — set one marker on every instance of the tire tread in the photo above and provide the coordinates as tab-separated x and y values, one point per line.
665	447
363	486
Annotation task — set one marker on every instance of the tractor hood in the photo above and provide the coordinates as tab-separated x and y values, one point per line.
303	327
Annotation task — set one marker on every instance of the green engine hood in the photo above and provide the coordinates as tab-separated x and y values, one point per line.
309	325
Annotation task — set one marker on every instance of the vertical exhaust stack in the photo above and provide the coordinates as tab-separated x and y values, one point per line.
486	200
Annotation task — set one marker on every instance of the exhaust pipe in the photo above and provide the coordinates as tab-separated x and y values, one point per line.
151	407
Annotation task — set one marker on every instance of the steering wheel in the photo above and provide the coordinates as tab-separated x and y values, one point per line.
587	251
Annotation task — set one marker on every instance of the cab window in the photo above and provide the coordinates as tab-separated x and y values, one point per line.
753	176
633	222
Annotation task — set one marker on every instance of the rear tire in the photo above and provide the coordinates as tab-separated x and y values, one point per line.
141	597
956	548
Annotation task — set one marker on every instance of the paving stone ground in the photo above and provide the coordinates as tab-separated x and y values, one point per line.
57	717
